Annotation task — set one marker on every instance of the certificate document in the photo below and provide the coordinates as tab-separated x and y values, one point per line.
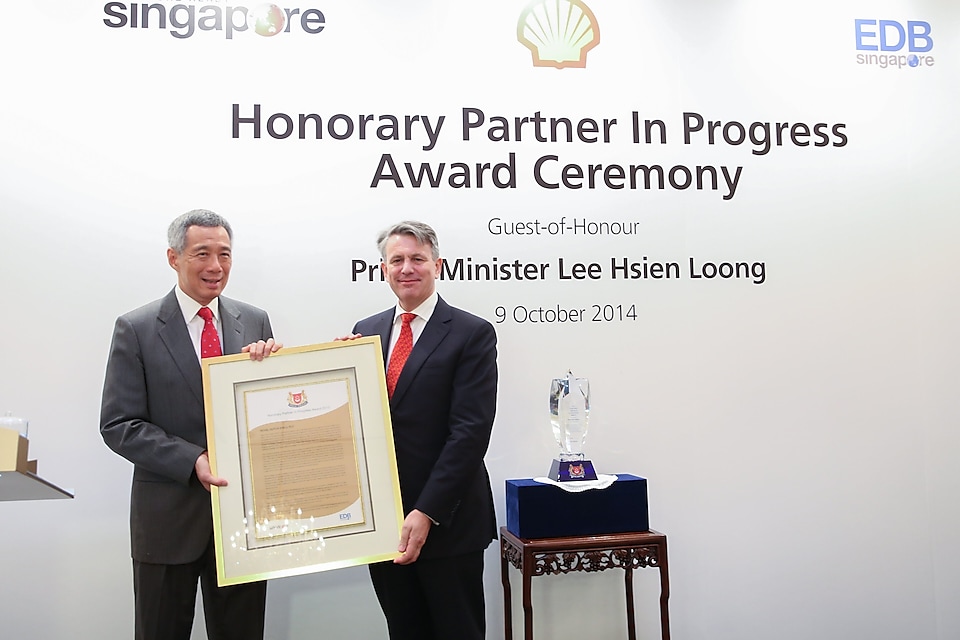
307	464
306	459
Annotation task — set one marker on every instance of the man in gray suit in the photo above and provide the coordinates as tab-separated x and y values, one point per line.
152	414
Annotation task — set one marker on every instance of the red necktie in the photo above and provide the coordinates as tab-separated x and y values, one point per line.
400	352
209	340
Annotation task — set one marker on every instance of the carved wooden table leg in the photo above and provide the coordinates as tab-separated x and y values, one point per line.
505	580
527	600
631	621
664	590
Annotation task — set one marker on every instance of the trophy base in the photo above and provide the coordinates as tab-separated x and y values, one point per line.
572	470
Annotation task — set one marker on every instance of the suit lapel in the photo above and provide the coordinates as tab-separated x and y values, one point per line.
173	333
433	334
383	325
232	338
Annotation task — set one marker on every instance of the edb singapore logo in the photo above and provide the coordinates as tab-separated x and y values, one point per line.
890	44
184	19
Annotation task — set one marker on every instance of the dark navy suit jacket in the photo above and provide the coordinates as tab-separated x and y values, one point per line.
442	412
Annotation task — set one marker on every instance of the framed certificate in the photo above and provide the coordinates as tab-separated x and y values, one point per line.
305	441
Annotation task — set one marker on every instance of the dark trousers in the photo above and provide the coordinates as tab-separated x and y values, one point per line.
165	597
436	599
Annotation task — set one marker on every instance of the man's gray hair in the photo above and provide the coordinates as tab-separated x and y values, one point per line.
177	231
422	232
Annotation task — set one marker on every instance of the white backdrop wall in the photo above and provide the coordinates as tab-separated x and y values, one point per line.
798	434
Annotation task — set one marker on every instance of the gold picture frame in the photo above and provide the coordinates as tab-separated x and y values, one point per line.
305	441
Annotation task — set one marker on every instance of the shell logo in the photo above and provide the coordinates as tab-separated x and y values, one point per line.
559	33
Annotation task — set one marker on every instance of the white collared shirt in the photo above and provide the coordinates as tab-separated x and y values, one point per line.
423	313
189	308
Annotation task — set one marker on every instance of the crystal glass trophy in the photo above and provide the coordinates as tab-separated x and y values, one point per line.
570	417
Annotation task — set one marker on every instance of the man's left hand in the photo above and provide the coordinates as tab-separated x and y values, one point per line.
262	349
416	528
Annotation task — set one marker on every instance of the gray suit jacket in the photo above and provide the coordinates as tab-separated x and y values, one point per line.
152	415
442	413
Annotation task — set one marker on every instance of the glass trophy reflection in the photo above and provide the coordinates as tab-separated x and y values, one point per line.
570	417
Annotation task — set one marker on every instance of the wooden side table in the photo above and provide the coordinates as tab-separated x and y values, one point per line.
544	556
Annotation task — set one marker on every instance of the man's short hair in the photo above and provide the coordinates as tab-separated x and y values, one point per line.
177	231
422	232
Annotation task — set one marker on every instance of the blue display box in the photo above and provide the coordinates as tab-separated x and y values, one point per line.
537	510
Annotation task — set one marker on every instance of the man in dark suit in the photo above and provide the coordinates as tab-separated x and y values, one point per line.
442	406
152	414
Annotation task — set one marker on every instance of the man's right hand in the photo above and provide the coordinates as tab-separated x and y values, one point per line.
204	475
